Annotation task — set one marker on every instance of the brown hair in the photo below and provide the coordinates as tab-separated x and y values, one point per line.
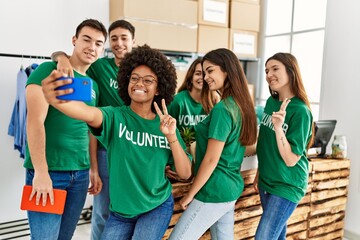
211	98
295	80
235	85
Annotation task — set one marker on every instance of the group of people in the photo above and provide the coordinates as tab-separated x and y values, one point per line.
129	135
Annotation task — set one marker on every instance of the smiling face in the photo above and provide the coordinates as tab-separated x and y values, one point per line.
214	76
142	85
121	42
89	45
197	79
277	77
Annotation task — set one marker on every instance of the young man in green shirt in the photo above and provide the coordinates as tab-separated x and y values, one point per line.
104	71
57	153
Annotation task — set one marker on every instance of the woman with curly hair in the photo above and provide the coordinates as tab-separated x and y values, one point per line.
140	139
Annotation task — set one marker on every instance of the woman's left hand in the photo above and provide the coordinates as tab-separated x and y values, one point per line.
278	118
167	122
185	201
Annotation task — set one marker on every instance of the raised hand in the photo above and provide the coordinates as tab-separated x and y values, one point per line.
167	122
279	117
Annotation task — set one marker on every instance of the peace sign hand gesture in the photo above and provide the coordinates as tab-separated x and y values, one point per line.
279	117
167	122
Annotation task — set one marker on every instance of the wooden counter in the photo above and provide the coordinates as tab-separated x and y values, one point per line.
319	215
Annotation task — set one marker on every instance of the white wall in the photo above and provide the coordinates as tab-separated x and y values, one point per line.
341	91
26	29
31	28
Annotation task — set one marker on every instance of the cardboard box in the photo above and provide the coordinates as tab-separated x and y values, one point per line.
245	16
184	11
257	2
214	12
212	37
165	36
243	43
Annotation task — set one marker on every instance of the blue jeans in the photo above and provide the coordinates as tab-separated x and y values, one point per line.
276	212
150	225
200	216
55	226
101	201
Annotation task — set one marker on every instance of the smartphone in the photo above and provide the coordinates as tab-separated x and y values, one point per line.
82	88
57	208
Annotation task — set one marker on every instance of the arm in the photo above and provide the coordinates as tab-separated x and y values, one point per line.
283	145
250	150
75	109
37	109
63	63
168	128
256	181
208	165
96	183
181	160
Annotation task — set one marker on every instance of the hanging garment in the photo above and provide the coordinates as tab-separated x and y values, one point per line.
17	126
31	68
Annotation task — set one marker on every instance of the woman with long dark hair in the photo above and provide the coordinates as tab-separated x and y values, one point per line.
221	139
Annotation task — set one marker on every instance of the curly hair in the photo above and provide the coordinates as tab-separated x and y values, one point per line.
163	68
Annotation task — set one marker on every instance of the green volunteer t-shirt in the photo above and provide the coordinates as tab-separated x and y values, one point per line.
137	155
223	124
67	139
187	112
104	71
274	176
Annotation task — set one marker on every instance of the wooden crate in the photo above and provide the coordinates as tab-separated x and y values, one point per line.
319	215
330	180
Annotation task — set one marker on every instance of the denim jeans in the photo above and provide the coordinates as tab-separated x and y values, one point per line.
150	225
200	216
276	212
54	226
101	201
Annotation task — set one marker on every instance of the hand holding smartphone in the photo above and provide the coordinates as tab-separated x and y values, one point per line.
82	88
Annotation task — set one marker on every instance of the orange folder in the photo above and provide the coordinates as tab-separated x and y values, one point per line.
57	208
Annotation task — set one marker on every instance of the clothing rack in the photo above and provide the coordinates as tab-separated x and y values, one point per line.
23	56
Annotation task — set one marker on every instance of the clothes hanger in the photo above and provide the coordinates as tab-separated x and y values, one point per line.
22	60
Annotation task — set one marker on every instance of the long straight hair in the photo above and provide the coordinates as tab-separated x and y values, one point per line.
295	80
235	85
207	102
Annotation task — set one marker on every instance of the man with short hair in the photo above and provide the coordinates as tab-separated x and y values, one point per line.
104	72
57	154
